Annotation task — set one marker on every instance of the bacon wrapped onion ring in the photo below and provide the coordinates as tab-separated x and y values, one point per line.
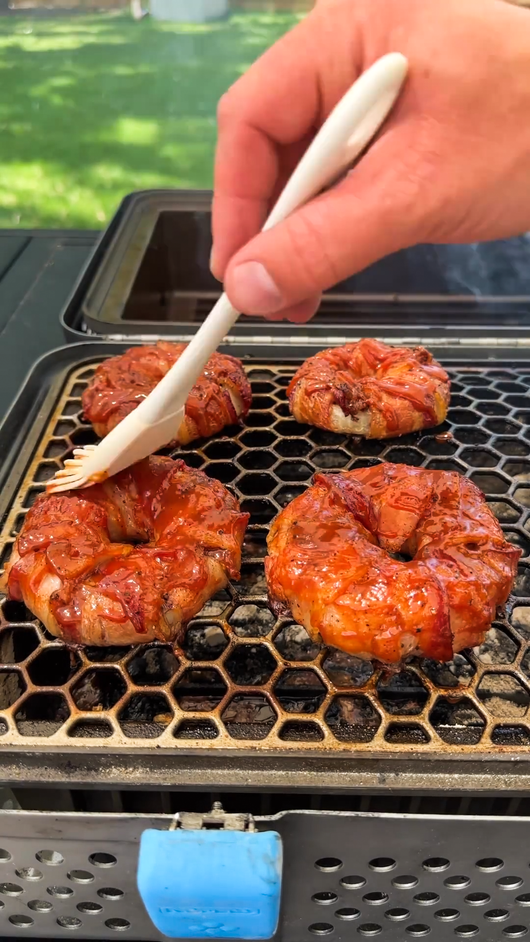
220	397
330	562
78	566
370	389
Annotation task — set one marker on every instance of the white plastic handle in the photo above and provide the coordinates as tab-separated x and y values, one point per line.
347	131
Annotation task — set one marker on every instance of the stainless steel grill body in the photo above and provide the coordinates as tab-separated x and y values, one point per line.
346	876
244	684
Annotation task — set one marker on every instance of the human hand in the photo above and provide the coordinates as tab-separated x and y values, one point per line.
452	164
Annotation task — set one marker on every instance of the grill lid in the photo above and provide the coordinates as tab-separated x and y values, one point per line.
150	277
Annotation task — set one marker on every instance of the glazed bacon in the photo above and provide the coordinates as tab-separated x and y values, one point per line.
370	389
220	397
331	566
130	560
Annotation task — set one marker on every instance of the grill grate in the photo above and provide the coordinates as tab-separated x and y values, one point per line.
244	679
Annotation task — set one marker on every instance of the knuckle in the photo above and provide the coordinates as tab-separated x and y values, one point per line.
226	108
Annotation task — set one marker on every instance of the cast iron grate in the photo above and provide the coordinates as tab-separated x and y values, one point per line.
242	678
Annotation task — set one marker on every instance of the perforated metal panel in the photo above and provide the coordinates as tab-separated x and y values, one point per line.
346	876
243	680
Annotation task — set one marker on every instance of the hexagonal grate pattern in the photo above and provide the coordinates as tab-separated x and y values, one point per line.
242	678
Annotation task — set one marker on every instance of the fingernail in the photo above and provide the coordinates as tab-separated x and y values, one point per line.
254	289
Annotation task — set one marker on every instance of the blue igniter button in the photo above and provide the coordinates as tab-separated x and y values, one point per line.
210	884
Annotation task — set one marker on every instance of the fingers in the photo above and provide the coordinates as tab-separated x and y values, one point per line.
265	123
379	208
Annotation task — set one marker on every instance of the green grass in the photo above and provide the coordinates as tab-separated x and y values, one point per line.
93	107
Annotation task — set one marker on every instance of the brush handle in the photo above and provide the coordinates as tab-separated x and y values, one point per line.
345	134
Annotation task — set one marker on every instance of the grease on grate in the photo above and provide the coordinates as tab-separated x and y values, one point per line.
242	678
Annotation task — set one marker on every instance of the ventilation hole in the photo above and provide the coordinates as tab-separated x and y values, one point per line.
477	899
301	731
509	883
447	915
42	714
90	729
249	716
523	899
11	889
251	665
329	864
426	899
151	667
222	450
407	734
402	693
352	719
293	448
382	864
5	856
331	459
53	667
196	729
12	686
60	892
102	860
90	909
204	642
21	922
40	906
80	876
369	928
346	670
436	864
69	922
353	882
398	914
347	913
29	873
490	864
119	925
457	882
514	932
16	644
321	928
407	882
99	689
294	644
418	929
110	892
295	471
375	898
145	716
496	915
300	691
466	931
324	899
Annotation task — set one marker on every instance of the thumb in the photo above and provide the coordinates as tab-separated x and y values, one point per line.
377	209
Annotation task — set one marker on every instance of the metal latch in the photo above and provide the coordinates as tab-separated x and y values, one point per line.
216	818
212	876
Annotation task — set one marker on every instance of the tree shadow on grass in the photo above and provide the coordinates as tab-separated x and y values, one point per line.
93	107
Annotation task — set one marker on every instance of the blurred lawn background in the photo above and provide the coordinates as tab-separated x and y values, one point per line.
94	106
